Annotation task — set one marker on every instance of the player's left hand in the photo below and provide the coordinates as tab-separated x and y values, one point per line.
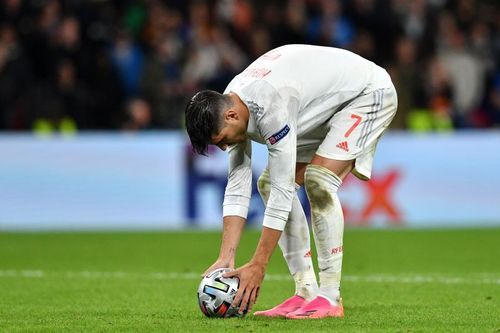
251	276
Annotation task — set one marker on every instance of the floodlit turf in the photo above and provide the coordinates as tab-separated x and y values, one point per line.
394	281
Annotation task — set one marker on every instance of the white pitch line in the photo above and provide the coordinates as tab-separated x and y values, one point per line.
477	278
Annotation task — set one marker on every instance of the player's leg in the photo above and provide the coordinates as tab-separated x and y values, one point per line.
295	245
322	180
348	146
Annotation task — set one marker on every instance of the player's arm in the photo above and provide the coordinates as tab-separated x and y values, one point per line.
281	142
278	127
282	173
231	234
236	203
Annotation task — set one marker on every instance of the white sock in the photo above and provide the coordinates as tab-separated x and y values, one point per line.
295	244
328	227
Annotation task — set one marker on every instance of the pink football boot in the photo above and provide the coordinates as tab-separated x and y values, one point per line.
319	307
281	310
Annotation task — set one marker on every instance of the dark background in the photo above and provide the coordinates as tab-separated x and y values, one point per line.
131	65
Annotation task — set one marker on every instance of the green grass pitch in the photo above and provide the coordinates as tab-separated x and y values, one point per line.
393	281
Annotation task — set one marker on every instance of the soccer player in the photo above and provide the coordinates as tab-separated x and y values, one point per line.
320	111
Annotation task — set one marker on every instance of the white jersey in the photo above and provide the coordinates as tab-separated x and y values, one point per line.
292	92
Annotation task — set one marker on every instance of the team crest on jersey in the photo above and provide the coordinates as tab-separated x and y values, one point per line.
279	135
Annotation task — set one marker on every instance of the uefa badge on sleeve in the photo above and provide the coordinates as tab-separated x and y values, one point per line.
279	135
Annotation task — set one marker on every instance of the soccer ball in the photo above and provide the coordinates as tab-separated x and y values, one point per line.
216	293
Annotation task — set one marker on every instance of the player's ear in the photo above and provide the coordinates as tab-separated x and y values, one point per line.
231	114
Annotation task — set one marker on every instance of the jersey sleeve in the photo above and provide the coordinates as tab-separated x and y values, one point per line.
277	126
239	184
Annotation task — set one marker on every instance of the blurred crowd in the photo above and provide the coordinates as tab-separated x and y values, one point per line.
102	64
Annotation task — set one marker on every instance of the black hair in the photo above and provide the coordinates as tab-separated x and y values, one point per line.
204	118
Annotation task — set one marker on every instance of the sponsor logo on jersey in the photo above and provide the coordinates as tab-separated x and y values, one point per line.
343	145
279	135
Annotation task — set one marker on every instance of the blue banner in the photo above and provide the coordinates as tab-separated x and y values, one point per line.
154	181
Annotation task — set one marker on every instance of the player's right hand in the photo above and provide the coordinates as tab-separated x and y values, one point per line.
219	264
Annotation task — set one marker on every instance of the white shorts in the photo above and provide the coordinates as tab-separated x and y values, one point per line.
354	131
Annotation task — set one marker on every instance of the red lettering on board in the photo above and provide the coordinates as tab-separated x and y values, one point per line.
378	191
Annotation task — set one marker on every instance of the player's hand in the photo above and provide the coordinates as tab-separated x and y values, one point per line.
220	263
251	276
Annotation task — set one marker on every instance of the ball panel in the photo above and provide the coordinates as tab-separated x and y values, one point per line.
202	307
216	293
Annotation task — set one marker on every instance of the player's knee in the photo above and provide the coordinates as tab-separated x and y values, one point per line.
321	186
264	185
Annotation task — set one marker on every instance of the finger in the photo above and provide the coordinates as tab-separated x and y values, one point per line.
231	273
238	296
209	269
253	298
244	300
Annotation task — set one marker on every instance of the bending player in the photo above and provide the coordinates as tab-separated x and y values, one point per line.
320	111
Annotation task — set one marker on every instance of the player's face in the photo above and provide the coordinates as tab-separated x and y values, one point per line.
232	133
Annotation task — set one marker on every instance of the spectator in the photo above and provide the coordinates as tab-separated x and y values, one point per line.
139	115
128	59
407	80
72	93
161	77
330	26
466	78
14	80
212	57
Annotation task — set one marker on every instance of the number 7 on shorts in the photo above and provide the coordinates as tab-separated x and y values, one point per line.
356	123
